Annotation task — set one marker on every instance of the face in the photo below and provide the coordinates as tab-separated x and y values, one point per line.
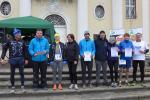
18	36
69	39
102	35
87	36
39	34
57	38
138	37
126	37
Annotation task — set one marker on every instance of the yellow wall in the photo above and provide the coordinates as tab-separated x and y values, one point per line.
95	25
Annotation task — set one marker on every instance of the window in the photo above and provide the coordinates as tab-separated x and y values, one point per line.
130	9
56	19
5	8
99	11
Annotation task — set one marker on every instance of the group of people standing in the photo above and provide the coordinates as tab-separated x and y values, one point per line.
119	57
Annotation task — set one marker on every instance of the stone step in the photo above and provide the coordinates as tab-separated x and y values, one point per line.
95	93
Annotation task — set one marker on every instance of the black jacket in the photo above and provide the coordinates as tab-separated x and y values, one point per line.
53	49
101	49
72	49
16	49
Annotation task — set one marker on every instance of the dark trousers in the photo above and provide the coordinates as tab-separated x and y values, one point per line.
12	74
113	66
42	68
73	72
141	64
89	66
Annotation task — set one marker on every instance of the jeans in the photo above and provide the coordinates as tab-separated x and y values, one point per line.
57	67
101	65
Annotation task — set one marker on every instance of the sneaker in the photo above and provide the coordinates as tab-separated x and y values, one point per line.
54	87
115	84
71	86
126	82
134	83
84	86
12	90
60	87
76	87
22	88
112	84
120	83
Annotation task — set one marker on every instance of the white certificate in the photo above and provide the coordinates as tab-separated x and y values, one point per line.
122	62
128	52
137	51
114	52
87	56
58	57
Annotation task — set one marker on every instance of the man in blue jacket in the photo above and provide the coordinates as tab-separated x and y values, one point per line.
39	49
87	52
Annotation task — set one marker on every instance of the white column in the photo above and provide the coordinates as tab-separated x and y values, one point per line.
117	14
25	8
82	18
146	20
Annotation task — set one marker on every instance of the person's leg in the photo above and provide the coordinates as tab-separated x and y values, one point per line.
43	70
110	64
74	72
142	66
70	66
12	73
54	70
120	75
135	65
83	67
98	69
104	69
90	66
116	70
60	69
21	72
35	74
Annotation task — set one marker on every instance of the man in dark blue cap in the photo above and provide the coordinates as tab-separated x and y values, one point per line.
17	57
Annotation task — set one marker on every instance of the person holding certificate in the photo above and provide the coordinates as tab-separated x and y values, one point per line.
113	59
57	60
140	49
87	52
126	51
101	44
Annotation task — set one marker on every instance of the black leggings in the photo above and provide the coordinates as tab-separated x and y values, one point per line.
113	66
73	72
141	65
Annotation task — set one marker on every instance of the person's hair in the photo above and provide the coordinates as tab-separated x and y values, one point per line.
71	36
102	32
127	34
39	30
138	33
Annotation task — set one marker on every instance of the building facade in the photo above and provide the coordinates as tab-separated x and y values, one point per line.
76	16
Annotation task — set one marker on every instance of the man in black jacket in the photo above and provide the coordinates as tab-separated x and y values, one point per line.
101	57
17	57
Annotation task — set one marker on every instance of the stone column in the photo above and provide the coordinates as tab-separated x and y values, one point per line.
25	8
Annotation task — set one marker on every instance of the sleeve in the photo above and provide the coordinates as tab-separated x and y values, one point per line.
80	46
93	51
146	48
51	52
5	47
76	51
47	47
31	48
25	51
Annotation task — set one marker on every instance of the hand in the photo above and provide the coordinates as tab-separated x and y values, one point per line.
47	55
83	56
35	54
141	51
65	62
3	61
75	62
26	62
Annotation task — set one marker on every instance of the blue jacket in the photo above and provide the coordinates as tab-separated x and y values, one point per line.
39	45
125	44
87	45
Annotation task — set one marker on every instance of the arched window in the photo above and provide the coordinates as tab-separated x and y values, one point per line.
56	19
